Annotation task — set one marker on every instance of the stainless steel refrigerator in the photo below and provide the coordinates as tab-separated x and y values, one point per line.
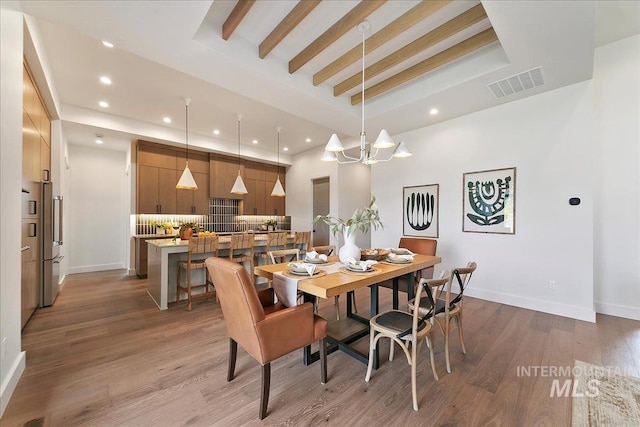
50	244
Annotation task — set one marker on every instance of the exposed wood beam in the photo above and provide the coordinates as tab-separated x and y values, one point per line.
235	17
337	30
297	14
469	45
446	30
410	18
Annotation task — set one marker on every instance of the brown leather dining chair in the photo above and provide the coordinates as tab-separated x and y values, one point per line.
265	330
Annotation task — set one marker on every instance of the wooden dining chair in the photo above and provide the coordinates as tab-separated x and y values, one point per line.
284	255
302	241
407	330
265	330
448	305
197	245
241	249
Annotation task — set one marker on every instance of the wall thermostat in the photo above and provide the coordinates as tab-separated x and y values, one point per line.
574	201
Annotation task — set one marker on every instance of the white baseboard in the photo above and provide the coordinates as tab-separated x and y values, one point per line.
11	381
98	267
550	307
626	311
131	272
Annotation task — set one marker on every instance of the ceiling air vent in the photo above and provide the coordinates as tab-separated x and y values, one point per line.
517	83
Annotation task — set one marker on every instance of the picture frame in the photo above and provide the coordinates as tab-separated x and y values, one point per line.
420	210
489	201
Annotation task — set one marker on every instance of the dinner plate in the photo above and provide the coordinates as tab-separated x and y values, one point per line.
398	260
302	273
358	269
315	261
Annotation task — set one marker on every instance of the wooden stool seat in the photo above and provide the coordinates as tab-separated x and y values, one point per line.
241	249
197	245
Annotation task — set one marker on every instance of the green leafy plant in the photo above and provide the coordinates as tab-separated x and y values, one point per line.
168	226
362	219
268	222
194	226
155	224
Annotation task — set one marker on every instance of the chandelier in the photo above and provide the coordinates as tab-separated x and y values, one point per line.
369	154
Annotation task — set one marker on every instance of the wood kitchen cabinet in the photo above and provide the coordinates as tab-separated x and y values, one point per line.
194	201
260	179
156	190
222	174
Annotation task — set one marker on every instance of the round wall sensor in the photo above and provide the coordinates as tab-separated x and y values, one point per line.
574	201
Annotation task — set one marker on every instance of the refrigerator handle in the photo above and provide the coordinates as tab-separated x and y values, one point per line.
57	220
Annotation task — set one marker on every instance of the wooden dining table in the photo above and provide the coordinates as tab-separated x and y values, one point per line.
341	282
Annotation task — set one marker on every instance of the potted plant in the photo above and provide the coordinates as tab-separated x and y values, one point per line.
187	229
270	224
362	219
169	228
156	227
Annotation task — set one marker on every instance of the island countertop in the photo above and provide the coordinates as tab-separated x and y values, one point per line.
164	254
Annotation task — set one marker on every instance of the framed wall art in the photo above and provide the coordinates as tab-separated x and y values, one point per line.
420	211
489	201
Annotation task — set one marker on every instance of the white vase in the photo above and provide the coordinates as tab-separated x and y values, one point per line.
349	249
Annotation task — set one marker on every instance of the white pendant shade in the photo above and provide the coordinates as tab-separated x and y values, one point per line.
384	140
329	156
334	144
278	191
238	186
402	151
186	181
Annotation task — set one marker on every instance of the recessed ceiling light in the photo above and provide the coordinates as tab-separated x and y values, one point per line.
433	111
308	139
216	132
106	80
99	139
103	104
167	120
107	44
255	141
285	149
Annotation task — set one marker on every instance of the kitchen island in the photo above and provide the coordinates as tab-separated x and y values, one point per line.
162	264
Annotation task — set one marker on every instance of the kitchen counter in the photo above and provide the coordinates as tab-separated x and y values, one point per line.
162	268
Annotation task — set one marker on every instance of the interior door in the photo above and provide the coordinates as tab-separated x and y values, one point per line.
320	235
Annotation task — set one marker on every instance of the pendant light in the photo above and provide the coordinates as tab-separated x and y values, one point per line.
238	186
278	191
368	155
186	181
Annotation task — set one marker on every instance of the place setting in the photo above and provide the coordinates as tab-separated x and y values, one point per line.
303	270
363	267
313	257
399	256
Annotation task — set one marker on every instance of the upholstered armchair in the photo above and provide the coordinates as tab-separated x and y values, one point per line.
263	329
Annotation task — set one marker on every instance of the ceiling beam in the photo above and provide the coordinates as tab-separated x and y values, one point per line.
297	14
444	31
337	30
467	46
235	17
407	20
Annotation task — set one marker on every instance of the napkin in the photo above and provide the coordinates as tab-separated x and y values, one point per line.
407	257
286	290
310	268
364	265
314	255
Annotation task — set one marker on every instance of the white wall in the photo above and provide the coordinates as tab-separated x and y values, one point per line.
617	189
299	203
98	209
12	359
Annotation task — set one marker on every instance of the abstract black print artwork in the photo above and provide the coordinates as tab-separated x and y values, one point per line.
420	211
489	201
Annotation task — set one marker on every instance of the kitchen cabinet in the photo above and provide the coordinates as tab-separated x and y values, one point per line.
260	179
156	190
194	201
141	253
222	174
45	160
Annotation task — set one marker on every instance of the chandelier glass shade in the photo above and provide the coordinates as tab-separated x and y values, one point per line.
369	153
186	181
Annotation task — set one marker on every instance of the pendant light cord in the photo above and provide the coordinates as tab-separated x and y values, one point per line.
186	127
239	118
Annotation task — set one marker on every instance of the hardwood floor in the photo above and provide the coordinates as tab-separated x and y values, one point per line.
104	355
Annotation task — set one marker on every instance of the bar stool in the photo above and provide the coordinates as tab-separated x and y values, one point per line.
302	241
276	240
241	249
197	245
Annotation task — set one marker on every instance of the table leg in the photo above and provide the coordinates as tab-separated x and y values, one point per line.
396	290
375	308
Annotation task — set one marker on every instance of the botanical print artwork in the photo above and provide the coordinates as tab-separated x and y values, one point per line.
420	211
489	201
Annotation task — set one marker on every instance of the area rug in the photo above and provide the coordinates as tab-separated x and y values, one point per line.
604	397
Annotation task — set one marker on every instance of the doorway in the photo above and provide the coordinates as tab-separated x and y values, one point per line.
320	235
